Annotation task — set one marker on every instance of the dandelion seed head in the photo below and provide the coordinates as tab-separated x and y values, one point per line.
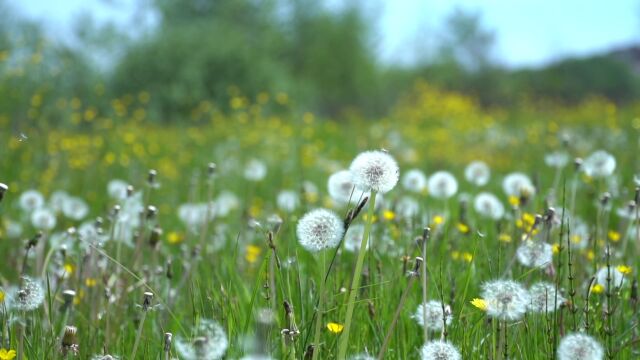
435	315
616	276
544	298
374	171
535	254
505	299
210	343
288	200
557	159
477	173
579	346
255	170
117	189
407	207
342	189
599	164
414	180
518	184
442	185
489	206
225	203
319	229
353	238
31	200
75	208
439	350
28	297
43	219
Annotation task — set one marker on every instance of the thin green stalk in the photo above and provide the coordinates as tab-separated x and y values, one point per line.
138	335
318	329
355	284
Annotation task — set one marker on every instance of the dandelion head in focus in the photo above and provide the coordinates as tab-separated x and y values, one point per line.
545	298
505	299
319	229
579	346
439	350
435	315
374	171
535	254
28	296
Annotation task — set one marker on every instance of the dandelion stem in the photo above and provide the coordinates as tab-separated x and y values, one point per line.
355	283
138	335
318	329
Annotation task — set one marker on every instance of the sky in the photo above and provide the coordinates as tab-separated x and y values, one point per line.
529	33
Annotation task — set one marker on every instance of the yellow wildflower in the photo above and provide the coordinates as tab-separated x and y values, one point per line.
437	220
7	354
174	238
1	296
252	254
479	303
90	282
514	201
466	256
463	228
388	215
68	268
555	248
365	217
335	327
505	238
626	270
597	289
455	255
614	235
590	255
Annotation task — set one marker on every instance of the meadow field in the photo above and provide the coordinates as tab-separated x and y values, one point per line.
239	233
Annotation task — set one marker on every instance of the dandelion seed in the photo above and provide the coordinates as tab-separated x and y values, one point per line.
415	181
579	346
477	173
434	315
544	298
31	200
488	205
505	299
442	185
518	185
319	229
534	254
374	171
439	350
599	164
210	343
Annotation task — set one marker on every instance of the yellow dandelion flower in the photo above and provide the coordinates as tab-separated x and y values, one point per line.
576	239
1	296
514	201
7	354
597	289
68	268
438	219
590	255
335	327
626	270
252	254
467	256
174	238
614	235
388	215
91	282
455	255
519	224
463	228
505	238
479	303
365	217
555	248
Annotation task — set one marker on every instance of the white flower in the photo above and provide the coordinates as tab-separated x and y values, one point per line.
374	171
442	185
535	254
57	199
225	203
28	296
414	180
616	277
477	173
439	350
319	229
353	238
579	346
342	189
117	189
545	298
579	235
518	184
488	205
288	200
557	159
13	229
505	299
599	164
210	342
75	208
195	215
255	170
43	219
435	315
407	208
31	200
363	356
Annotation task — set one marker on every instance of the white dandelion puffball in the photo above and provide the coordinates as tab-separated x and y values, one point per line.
414	180
518	184
442	185
353	238
407	207
117	189
210	342
505	299
435	315
225	203
579	346
75	208
488	205
363	356
557	159
319	229
534	254
28	296
288	200
439	350
617	277
477	173
31	200
57	199
374	171
43	219
341	188
599	164
544	298
255	170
